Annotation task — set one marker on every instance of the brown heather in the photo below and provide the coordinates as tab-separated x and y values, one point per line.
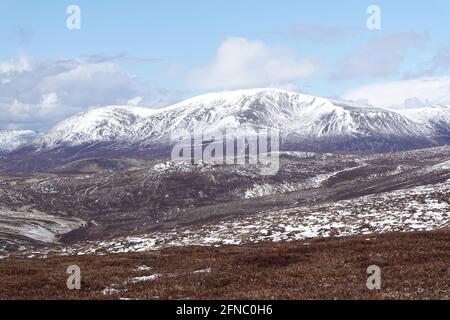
414	266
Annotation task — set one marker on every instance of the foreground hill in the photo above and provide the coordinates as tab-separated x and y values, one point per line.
413	266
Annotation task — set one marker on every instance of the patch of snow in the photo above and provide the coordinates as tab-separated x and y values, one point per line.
143	268
421	208
260	190
207	270
110	291
152	277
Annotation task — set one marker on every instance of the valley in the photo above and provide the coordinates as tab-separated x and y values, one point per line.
158	204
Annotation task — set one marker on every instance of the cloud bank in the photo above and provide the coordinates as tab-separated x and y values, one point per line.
428	90
242	63
36	94
380	57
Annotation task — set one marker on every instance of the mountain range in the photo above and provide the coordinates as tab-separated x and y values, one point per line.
306	123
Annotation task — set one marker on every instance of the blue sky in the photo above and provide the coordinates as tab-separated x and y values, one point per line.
153	53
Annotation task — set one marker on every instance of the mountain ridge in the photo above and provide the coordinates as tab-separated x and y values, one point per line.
306	123
13	139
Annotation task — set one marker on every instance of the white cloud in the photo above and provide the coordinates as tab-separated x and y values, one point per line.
46	106
37	94
22	64
242	63
135	101
379	57
434	90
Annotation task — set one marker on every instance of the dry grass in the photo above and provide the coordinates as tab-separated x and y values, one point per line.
414	266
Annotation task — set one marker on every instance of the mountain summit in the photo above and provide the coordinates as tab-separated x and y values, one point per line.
301	119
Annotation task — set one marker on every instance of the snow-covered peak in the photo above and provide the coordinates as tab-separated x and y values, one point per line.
434	117
10	140
238	99
232	97
245	111
99	125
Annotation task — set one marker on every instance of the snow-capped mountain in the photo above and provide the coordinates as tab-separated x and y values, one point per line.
13	139
297	116
113	123
435	118
306	123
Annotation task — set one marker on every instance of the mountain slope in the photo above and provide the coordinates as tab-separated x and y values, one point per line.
13	139
435	118
106	124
